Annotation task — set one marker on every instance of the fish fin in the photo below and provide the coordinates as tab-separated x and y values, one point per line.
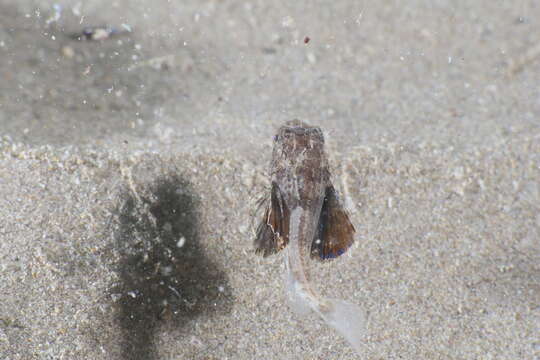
335	232
273	231
348	319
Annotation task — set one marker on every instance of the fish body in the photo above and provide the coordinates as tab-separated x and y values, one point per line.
305	216
98	33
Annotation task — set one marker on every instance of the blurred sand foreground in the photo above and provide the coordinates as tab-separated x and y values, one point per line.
130	170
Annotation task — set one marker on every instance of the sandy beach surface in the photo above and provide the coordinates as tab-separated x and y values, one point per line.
131	168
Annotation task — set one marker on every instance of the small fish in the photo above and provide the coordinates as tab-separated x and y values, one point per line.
305	216
97	33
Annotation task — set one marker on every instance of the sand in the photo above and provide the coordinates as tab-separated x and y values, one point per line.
130	170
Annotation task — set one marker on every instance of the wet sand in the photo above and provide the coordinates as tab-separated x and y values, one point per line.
130	170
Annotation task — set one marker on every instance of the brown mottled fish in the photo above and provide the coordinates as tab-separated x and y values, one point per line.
305	216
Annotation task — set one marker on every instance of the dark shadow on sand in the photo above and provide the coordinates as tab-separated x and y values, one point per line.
166	278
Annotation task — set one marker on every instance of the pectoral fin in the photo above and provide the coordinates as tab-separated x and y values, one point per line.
335	232
273	231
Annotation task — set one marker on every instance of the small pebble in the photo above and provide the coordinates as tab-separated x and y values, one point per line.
181	242
68	52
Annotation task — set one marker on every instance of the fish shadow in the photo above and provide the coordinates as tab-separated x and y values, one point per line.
166	279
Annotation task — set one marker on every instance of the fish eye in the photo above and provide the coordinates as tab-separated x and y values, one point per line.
287	133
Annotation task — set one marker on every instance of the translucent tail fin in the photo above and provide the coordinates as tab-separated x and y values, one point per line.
348	319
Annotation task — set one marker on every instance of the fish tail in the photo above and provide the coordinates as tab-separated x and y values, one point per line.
299	301
348	319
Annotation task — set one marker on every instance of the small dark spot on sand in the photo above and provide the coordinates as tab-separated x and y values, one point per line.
269	50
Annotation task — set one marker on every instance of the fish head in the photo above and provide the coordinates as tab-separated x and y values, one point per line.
298	141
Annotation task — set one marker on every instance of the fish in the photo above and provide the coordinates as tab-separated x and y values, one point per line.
304	216
99	33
